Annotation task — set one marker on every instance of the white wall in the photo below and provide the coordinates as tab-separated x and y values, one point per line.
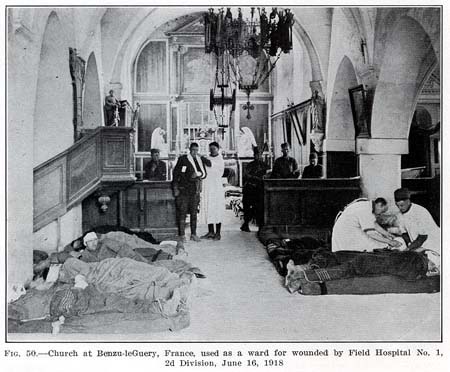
340	124
39	121
59	233
93	102
53	115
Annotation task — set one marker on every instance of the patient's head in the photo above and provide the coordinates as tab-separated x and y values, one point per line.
386	220
90	240
389	222
295	276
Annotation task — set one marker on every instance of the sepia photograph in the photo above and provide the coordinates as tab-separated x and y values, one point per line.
232	174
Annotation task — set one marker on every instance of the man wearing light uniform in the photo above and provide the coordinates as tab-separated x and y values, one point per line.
356	229
420	232
213	197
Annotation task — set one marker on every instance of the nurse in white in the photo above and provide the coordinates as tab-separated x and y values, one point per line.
213	195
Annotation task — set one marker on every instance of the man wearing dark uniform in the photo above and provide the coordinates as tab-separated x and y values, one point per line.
187	185
253	191
285	166
314	169
155	169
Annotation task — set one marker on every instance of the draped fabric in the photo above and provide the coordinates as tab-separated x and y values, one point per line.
151	117
258	123
293	128
278	136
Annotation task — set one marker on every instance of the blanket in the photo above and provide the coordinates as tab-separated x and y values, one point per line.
126	277
361	273
300	251
121	289
92	312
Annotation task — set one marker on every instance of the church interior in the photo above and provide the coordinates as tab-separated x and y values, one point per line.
92	91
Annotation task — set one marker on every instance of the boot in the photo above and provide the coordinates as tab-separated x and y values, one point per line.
210	234
181	230
245	227
194	236
217	234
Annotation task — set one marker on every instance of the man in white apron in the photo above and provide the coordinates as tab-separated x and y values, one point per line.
213	196
420	232
356	228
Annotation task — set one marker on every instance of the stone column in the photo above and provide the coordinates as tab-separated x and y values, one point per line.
23	59
379	163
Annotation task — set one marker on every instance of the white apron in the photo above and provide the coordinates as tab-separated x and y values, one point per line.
348	231
213	194
418	221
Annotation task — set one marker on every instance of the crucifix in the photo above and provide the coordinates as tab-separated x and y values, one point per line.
248	106
222	88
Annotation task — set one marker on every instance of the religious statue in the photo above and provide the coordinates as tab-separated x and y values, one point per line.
317	107
158	142
246	143
77	71
112	110
317	120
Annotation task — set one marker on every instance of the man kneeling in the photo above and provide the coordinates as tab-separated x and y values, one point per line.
356	229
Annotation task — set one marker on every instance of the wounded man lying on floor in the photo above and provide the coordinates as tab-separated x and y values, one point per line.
112	285
130	279
114	273
97	247
362	248
351	272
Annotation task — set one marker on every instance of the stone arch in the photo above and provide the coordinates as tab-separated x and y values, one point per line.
409	59
53	112
340	121
316	68
92	107
422	118
419	140
140	30
355	19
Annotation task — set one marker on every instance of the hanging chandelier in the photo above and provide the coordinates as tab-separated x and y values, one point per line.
250	47
222	100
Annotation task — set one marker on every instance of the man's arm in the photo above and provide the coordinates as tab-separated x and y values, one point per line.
110	102
295	170
406	238
122	250
175	178
417	243
383	232
275	169
305	173
146	171
206	161
163	170
373	234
